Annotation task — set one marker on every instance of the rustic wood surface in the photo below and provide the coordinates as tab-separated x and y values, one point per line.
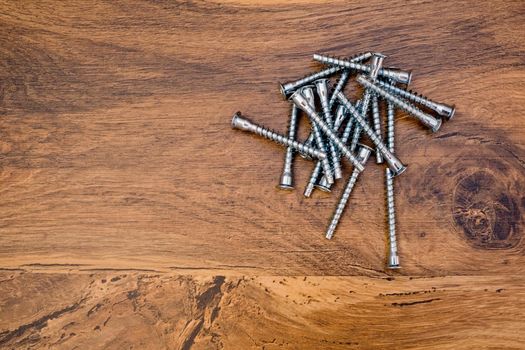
132	216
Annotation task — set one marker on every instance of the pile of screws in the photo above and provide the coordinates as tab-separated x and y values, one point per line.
331	138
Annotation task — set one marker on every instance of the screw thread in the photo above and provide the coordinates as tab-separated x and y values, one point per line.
365	102
377	124
425	118
394	163
290	87
342	204
393	258
416	97
313	179
272	135
341	82
322	92
400	76
320	145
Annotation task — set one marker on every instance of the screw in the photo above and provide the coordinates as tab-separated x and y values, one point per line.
343	79
242	123
442	109
322	91
392	73
393	258
286	182
377	124
394	164
425	118
323	185
302	103
340	116
289	88
363	154
375	66
308	93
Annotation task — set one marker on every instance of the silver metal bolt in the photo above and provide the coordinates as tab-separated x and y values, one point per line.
289	88
308	93
377	124
302	103
322	92
392	73
393	163
393	258
363	155
442	109
242	123
286	182
341	82
427	119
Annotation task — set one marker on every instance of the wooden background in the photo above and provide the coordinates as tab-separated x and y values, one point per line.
132	216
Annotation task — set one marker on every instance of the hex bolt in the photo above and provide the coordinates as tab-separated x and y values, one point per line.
426	119
322	92
393	163
442	109
377	124
302	103
242	123
341	82
286	182
363	155
392	73
289	88
308	93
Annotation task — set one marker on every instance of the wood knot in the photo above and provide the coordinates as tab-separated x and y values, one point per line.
486	211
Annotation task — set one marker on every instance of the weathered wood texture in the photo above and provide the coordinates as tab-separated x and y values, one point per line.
116	153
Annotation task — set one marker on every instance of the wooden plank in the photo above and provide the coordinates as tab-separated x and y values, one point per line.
120	311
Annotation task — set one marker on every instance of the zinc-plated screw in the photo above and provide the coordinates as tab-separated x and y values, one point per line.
289	88
393	258
286	182
242	123
322	92
363	154
308	93
377	124
442	109
393	73
323	184
393	163
427	119
343	79
302	103
375	67
340	116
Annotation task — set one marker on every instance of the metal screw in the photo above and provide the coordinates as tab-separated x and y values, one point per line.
340	116
343	79
394	164
363	154
286	182
242	123
442	109
322	91
375	66
393	73
393	258
289	88
308	93
425	118
302	103
377	124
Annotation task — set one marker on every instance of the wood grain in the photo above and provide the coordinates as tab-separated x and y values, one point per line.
117	158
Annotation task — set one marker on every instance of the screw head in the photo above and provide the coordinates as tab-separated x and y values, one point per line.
286	182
